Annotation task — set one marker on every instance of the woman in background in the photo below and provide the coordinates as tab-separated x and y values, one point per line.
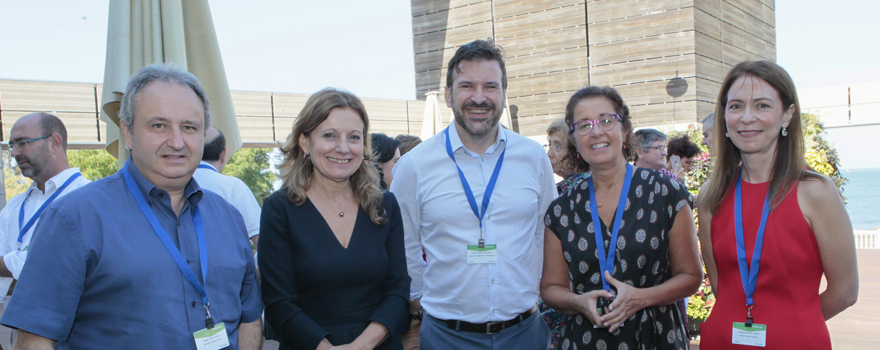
387	153
331	242
769	225
557	150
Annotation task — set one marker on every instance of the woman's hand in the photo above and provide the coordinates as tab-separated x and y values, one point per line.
586	304
627	302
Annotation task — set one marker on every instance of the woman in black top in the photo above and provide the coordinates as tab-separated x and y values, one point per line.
626	301
331	242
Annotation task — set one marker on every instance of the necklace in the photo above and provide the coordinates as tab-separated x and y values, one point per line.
327	203
607	196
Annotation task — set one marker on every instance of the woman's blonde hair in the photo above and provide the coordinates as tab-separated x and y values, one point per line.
789	163
297	170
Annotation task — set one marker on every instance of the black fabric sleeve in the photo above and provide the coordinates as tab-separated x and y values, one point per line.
283	311
393	312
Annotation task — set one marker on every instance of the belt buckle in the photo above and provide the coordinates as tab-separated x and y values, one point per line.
489	327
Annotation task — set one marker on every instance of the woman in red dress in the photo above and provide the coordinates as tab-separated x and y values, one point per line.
770	226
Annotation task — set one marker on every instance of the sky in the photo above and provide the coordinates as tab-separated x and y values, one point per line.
301	46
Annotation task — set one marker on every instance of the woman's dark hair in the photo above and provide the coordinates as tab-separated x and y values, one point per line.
620	108
682	147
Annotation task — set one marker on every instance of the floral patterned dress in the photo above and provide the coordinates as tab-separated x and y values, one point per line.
641	260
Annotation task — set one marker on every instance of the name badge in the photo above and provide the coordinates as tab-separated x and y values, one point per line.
486	255
213	338
756	335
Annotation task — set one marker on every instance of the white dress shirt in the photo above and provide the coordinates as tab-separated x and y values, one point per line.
234	191
436	215
14	253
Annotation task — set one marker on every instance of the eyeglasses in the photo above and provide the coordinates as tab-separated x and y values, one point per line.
585	127
659	148
20	144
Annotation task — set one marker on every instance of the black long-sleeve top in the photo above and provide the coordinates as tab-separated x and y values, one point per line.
312	285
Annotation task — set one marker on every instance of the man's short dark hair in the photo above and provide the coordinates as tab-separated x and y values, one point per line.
50	124
477	51
682	147
214	147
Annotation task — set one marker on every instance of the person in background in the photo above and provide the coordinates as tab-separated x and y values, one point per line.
143	258
407	143
651	151
473	196
410	338
331	242
232	189
771	227
387	153
38	142
708	135
686	151
622	299
557	149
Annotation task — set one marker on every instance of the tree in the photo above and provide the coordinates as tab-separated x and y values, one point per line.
251	165
94	164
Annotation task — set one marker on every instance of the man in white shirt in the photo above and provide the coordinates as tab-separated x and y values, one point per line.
231	188
38	142
484	250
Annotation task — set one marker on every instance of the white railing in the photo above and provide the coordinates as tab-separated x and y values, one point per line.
867	239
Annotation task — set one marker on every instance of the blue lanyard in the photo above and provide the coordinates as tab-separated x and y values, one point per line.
748	275
606	260
467	188
172	249
24	229
205	166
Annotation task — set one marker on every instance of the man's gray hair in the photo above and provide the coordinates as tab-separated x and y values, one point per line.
163	72
709	120
646	137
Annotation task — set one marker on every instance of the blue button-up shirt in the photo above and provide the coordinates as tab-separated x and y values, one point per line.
98	277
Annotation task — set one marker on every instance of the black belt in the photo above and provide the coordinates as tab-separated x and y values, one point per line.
489	327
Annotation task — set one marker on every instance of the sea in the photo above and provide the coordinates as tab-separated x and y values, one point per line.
863	197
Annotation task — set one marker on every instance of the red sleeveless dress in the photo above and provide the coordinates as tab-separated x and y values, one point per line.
786	298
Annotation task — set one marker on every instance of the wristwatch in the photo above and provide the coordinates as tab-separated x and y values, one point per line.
417	316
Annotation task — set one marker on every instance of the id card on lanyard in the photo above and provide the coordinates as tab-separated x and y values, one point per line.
481	253
749	333
23	227
208	338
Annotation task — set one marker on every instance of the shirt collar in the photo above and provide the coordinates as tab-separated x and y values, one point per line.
56	181
192	192
208	164
455	140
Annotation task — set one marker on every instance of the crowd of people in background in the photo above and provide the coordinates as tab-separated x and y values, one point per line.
476	238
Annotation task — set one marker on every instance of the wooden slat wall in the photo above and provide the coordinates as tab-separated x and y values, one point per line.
554	47
75	105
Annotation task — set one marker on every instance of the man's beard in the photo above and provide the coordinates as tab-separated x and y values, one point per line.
33	169
461	118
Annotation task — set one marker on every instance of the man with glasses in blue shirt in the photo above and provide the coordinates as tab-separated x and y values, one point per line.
144	258
38	142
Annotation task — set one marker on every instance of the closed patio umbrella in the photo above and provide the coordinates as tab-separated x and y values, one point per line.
143	32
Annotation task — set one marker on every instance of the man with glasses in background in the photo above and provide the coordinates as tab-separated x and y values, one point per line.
38	142
651	151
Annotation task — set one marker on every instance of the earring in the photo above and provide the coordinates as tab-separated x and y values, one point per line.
784	132
307	156
726	135
579	156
